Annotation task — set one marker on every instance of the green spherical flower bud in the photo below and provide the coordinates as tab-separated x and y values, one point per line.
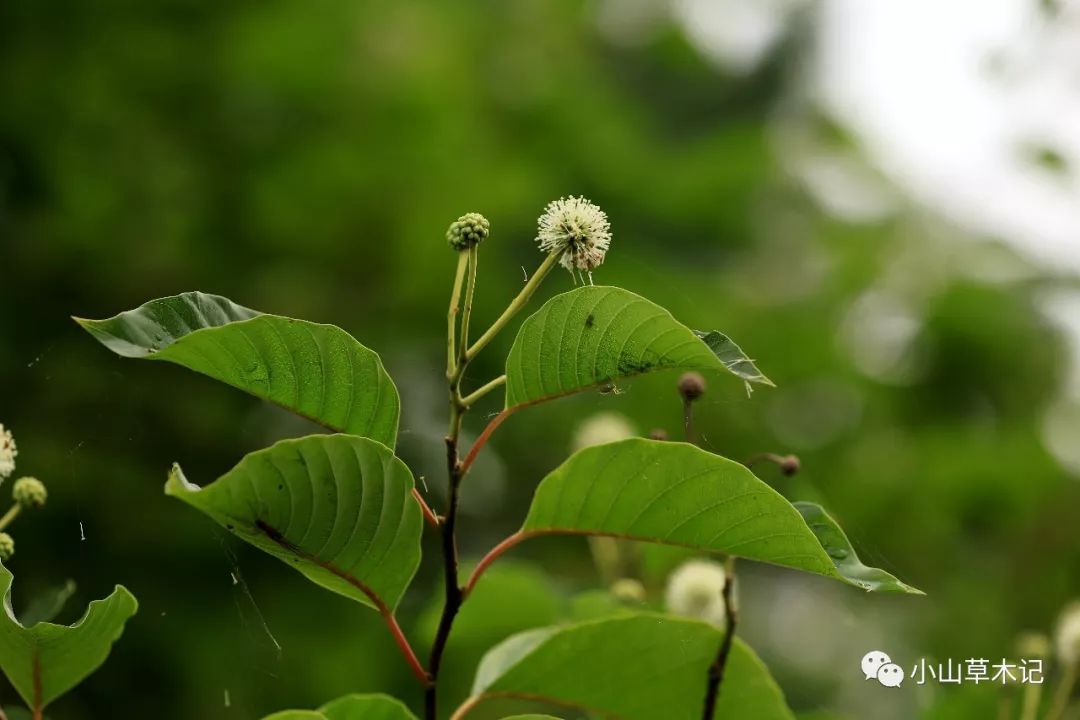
467	231
29	492
7	546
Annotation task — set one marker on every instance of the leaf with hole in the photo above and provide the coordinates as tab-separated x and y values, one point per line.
640	667
677	494
338	508
594	336
317	371
45	661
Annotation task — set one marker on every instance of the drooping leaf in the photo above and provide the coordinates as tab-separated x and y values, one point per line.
317	371
338	508
593	336
839	548
366	707
641	667
678	494
45	661
734	358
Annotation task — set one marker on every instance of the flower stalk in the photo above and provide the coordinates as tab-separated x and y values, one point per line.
514	307
470	399
470	290
1060	702
9	516
451	316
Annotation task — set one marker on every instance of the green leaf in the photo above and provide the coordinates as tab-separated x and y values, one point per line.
600	604
839	548
17	712
45	661
593	336
338	508
47	605
636	668
352	707
317	371
366	707
733	358
678	494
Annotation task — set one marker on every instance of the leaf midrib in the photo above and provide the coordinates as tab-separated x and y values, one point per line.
275	536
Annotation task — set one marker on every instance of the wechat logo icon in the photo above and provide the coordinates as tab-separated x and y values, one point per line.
876	665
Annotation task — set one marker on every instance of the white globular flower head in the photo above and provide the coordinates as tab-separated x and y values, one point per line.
576	228
696	590
1067	636
603	428
8	452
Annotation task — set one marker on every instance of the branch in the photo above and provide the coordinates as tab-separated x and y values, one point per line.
454	596
716	670
455	370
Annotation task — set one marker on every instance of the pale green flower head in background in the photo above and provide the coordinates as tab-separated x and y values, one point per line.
696	590
602	428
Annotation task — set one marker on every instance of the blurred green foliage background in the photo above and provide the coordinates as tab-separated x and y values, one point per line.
306	158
